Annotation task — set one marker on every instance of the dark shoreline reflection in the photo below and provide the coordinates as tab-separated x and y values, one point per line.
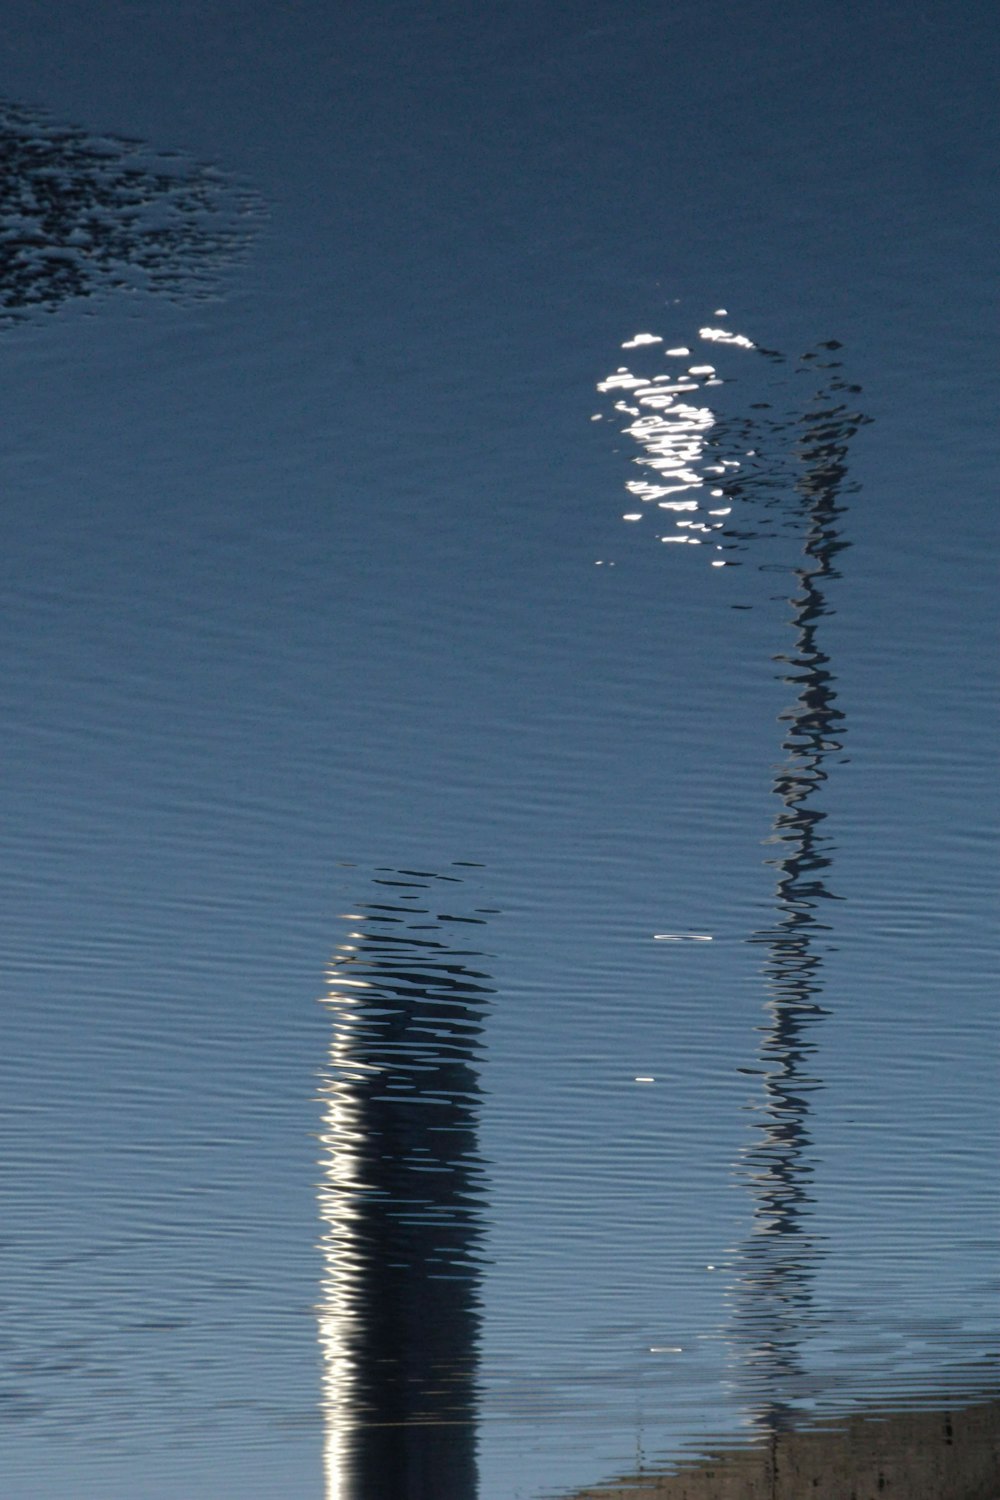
772	1293
83	213
400	1310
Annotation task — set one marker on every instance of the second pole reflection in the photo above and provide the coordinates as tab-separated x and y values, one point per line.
773	1311
399	1313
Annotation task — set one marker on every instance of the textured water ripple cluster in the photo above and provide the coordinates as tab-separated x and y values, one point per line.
83	214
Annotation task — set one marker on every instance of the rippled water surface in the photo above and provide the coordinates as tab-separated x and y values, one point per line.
499	677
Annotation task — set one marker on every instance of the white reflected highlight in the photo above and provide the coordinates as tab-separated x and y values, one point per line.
673	433
723	336
682	937
340	1137
621	380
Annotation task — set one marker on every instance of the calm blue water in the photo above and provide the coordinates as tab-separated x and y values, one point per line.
492	1000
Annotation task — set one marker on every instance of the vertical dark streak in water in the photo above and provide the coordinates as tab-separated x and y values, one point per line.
772	1294
399	1318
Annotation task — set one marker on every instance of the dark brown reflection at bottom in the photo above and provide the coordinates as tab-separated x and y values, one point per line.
949	1453
400	1311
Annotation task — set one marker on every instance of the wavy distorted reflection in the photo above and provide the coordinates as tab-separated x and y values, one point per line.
742	475
399	1314
83	213
772	1305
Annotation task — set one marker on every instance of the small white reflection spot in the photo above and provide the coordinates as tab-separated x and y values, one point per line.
682	937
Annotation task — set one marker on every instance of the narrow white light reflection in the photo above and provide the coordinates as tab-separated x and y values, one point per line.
642	338
340	1138
682	937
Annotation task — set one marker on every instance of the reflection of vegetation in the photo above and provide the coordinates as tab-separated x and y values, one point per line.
83	214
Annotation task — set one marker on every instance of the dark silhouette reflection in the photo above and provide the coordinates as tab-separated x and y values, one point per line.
773	1311
82	214
399	1317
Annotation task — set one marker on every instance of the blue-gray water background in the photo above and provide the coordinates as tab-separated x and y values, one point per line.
300	583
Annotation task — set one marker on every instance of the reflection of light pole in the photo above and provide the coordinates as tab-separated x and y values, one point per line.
399	1313
698	466
772	1291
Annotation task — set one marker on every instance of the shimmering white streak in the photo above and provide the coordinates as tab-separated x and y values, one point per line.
340	1138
